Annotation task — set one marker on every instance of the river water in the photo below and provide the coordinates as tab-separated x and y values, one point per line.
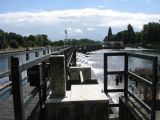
95	60
115	63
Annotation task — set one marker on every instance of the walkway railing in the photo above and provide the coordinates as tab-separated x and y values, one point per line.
127	93
29	83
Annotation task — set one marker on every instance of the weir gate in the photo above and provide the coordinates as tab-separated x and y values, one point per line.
48	85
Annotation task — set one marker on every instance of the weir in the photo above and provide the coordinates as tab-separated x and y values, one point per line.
49	86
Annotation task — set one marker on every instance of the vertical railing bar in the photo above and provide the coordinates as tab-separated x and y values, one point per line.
154	88
44	86
126	76
105	73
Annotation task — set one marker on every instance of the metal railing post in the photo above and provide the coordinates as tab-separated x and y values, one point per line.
126	75
105	73
154	88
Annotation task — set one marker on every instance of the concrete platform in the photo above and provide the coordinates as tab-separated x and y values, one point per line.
87	93
83	102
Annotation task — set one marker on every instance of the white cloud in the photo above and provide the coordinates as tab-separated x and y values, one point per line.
89	29
78	31
74	20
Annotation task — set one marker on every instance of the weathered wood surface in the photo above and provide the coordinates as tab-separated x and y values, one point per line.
6	109
6	106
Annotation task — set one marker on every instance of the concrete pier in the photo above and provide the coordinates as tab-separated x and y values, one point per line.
58	75
75	73
83	102
80	75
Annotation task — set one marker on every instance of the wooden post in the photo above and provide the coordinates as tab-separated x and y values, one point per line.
58	75
126	75
74	57
45	69
17	89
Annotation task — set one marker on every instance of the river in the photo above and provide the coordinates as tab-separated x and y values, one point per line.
95	61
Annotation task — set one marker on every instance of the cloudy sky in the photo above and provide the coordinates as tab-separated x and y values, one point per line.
81	18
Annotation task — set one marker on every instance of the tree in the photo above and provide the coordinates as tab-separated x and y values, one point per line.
105	39
121	36
138	37
45	39
109	33
39	40
14	44
151	33
131	35
3	41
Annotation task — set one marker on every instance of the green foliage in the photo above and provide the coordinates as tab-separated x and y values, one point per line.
148	37
151	33
84	41
109	34
14	44
13	40
3	42
121	36
131	37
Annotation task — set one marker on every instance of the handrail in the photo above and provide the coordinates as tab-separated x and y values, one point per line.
146	107
29	98
5	74
24	102
126	72
142	56
140	79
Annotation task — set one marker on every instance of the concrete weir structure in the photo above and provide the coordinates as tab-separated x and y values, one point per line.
81	102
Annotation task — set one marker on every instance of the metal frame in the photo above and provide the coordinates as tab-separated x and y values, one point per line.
151	84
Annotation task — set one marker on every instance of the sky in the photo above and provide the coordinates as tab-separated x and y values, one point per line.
81	18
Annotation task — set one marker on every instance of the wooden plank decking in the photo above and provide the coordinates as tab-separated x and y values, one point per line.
7	109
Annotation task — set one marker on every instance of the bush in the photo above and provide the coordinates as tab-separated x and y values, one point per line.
14	44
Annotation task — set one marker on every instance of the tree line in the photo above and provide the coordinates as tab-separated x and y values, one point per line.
13	40
149	36
84	41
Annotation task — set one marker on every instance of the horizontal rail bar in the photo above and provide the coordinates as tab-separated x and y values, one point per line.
35	114
142	56
146	107
115	90
7	89
19	52
140	79
6	85
113	105
29	98
32	63
115	72
138	109
115	54
5	74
